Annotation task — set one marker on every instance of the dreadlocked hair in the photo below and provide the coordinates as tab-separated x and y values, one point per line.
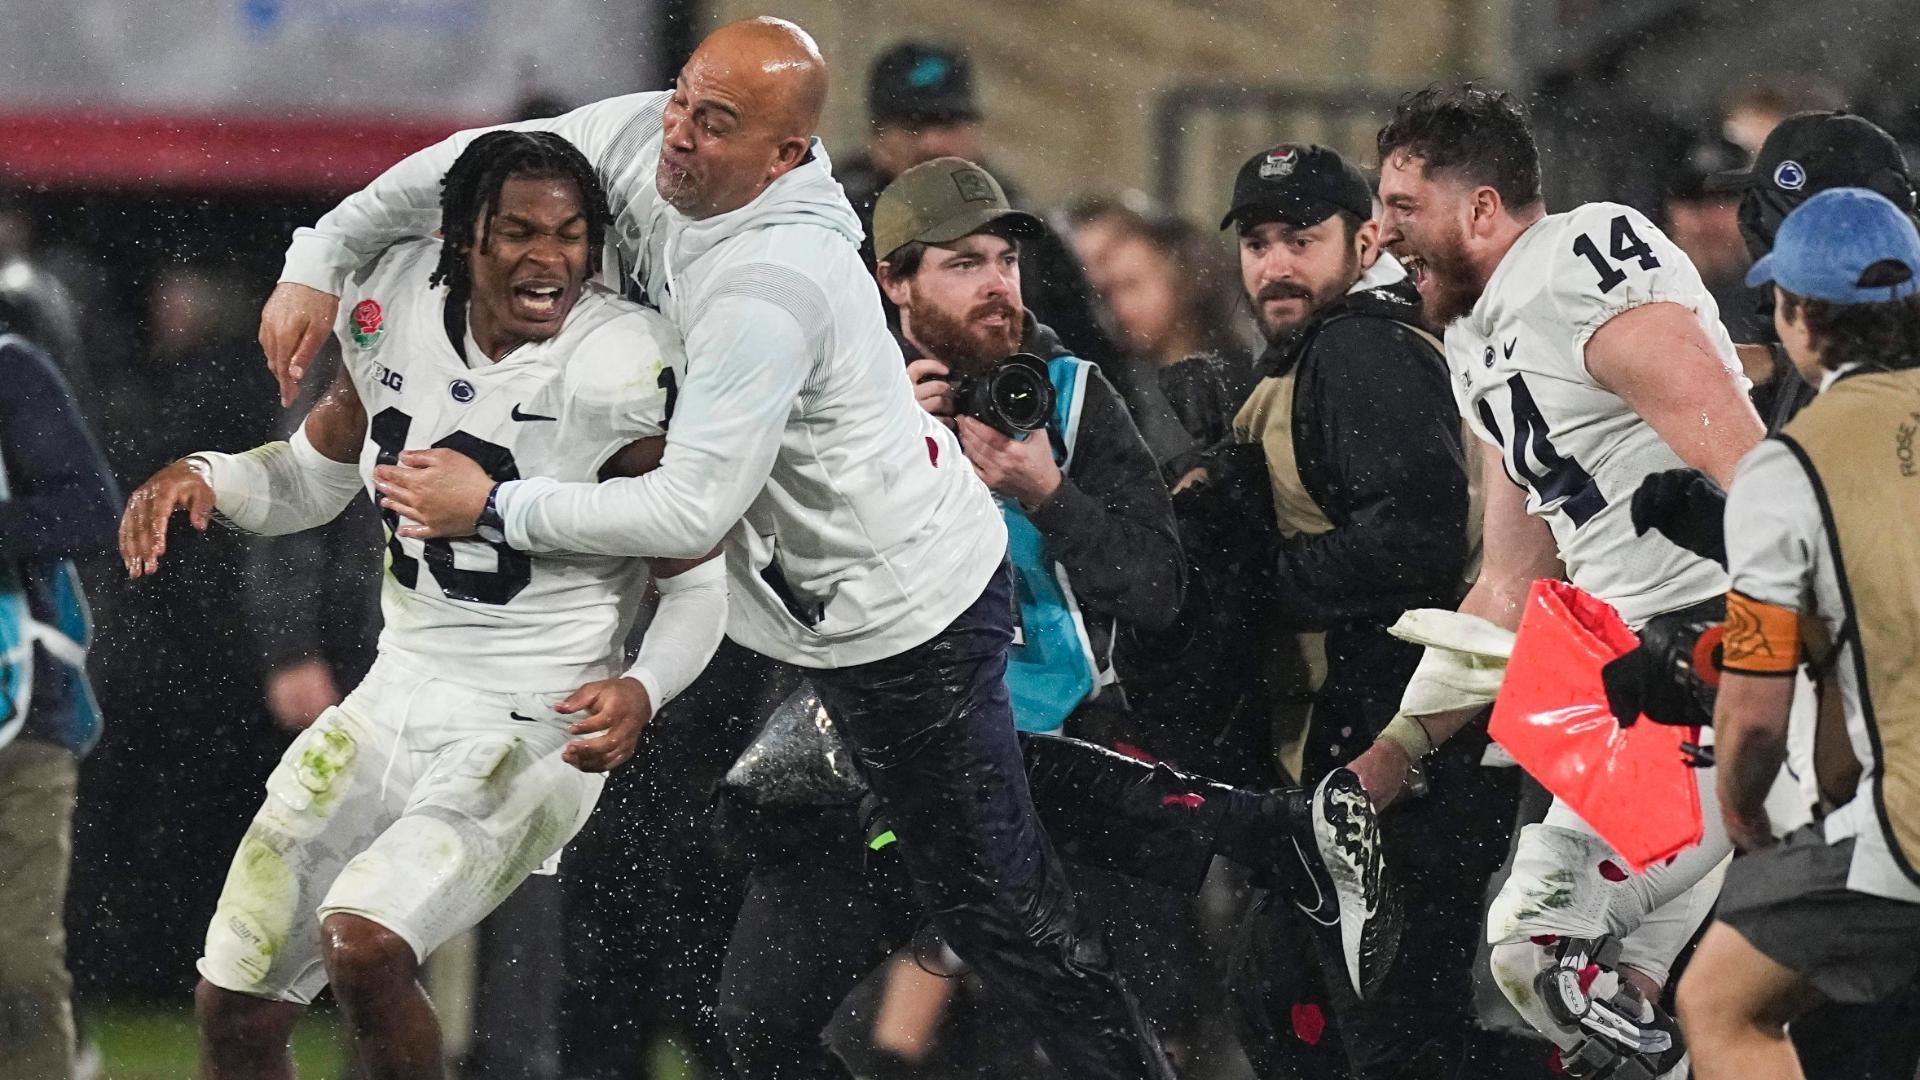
470	194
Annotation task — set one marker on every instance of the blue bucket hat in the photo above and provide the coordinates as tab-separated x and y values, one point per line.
1844	246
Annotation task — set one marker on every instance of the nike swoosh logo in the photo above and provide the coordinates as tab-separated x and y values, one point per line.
528	719
1321	901
523	417
1507	349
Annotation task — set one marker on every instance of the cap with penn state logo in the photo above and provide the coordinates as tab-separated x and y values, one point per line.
1844	246
1300	184
1813	151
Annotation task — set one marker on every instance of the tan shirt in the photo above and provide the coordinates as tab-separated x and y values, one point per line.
1860	565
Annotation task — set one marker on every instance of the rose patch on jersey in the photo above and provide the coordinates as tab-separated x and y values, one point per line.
367	319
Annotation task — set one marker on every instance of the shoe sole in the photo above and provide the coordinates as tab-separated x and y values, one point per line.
1343	820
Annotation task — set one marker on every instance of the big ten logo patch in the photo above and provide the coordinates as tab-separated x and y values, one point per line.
388	377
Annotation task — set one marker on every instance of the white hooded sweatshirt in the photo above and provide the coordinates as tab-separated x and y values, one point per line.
855	529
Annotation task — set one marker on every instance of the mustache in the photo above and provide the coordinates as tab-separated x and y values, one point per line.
994	307
1282	290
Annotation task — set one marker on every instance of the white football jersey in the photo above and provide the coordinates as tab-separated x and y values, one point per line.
1519	371
468	610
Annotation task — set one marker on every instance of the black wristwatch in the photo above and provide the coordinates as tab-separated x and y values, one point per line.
490	526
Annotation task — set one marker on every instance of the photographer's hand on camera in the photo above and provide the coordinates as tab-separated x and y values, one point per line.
931	388
1021	469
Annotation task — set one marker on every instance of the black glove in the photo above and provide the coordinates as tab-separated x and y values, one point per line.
1687	508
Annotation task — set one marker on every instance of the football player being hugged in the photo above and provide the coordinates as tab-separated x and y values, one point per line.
1587	354
471	752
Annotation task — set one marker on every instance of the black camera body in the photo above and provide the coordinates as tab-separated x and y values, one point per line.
1673	677
1013	396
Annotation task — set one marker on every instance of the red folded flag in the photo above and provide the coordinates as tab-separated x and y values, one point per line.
1632	785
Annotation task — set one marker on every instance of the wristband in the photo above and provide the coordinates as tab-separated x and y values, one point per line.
1409	734
490	526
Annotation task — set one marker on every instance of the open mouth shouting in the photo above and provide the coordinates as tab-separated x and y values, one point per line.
537	299
1416	268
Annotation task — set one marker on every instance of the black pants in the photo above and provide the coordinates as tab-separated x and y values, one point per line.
1442	848
807	933
1860	1042
932	731
822	909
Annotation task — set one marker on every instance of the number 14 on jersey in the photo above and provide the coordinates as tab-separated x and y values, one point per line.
1625	245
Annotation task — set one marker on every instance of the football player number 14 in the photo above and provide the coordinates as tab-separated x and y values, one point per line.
1625	244
513	569
1534	463
1532	459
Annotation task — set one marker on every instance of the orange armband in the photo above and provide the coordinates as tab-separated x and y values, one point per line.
1760	639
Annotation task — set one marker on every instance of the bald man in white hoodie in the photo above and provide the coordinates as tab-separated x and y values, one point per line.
859	543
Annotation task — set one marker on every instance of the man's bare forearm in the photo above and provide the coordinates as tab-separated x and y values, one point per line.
1750	737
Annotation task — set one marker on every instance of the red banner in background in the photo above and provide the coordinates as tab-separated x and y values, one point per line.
309	154
1632	785
298	96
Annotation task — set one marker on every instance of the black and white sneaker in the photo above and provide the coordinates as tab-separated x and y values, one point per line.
1346	890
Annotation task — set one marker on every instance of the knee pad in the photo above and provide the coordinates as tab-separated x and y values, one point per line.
1518	968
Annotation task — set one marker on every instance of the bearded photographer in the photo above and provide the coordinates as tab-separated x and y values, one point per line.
1092	537
948	246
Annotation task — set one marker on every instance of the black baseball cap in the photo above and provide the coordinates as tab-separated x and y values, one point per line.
1706	159
1814	151
918	82
1300	184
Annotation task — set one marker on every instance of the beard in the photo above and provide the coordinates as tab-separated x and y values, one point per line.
1314	295
966	344
1448	285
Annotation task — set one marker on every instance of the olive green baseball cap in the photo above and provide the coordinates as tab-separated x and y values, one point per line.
940	201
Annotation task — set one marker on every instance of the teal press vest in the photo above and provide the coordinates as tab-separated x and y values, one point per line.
1052	667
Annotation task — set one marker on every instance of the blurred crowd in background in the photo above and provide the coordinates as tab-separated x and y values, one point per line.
203	677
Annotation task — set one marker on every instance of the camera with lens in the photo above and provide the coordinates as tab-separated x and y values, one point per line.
1014	396
1673	677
